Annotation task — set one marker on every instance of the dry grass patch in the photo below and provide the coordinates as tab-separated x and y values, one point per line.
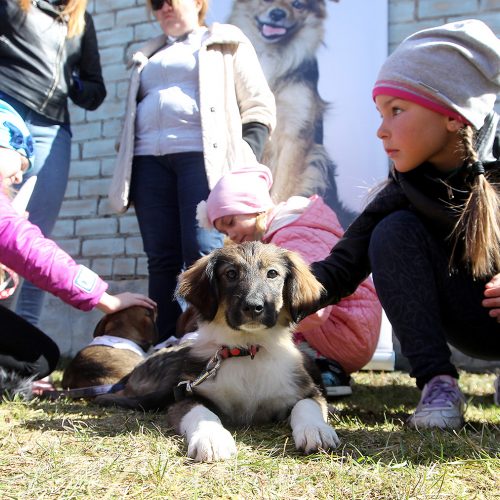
70	449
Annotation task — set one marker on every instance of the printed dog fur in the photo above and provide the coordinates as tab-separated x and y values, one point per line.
100	364
246	295
286	35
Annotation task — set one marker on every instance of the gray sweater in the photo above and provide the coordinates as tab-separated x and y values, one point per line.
168	112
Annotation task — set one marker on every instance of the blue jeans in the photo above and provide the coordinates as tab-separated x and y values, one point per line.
52	141
165	191
426	304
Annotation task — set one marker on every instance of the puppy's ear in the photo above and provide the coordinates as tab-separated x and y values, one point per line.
100	328
302	291
198	286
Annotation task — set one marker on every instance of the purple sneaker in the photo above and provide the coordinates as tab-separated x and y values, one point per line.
441	405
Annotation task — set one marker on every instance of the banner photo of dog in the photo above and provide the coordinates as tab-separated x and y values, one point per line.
321	58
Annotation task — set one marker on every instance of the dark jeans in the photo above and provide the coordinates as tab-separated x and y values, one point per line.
24	348
165	191
426	305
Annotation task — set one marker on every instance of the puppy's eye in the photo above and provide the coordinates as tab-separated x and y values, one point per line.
272	273
231	274
298	5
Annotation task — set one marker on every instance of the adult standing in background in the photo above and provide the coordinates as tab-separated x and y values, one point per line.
48	53
198	103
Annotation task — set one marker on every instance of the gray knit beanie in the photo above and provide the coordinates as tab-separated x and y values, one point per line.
453	69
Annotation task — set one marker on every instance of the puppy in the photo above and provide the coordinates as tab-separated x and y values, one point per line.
243	367
121	341
286	35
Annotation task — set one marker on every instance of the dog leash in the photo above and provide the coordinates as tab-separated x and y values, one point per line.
185	388
83	392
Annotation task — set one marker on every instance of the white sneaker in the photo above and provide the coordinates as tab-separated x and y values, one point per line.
441	405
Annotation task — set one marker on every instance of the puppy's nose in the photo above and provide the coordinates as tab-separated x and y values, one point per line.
277	15
253	308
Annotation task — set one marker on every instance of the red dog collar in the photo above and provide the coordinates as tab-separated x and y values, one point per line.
230	352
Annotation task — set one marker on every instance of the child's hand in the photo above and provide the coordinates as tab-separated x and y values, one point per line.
492	294
113	303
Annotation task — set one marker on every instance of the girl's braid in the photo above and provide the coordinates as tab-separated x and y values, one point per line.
479	223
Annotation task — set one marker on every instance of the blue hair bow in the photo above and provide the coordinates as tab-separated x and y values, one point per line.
18	140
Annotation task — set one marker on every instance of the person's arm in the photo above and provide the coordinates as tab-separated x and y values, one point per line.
348	264
25	250
88	90
255	99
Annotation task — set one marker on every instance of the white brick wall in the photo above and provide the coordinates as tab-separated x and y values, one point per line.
109	244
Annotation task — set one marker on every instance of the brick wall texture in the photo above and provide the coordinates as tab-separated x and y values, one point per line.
110	244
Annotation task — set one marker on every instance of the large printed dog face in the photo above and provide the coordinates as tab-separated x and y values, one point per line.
253	285
277	21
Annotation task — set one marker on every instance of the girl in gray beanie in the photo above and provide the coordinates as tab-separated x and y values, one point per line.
431	234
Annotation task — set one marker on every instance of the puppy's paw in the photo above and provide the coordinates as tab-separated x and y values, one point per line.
311	437
212	443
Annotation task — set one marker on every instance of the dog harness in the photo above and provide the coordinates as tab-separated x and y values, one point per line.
118	343
185	388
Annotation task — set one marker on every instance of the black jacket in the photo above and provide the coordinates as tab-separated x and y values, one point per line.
433	196
41	68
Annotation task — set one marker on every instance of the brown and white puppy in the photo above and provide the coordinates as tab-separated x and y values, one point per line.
286	35
120	343
248	298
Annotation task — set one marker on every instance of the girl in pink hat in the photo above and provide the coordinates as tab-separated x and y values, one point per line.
341	338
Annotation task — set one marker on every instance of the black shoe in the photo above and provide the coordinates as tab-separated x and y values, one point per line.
336	381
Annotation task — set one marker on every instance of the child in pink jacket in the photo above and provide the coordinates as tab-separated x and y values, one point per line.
342	338
25	351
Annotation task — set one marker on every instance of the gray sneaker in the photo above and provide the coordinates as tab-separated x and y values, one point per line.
441	405
496	396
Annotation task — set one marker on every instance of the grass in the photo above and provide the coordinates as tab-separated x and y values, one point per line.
73	449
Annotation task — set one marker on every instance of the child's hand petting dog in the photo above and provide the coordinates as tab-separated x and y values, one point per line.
113	303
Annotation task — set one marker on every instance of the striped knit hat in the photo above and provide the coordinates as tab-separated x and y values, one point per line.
452	69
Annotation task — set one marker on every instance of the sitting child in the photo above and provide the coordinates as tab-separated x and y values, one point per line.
431	235
341	338
25	351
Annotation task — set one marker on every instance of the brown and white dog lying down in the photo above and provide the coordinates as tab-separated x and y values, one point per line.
243	368
120	343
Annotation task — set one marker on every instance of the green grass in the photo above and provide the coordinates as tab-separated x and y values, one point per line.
73	449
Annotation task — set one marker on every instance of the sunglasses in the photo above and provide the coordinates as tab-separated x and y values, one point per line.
158	4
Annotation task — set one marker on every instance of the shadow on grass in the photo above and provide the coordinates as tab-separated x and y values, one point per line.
368	435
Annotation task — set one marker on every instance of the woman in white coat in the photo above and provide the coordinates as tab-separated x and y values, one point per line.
198	104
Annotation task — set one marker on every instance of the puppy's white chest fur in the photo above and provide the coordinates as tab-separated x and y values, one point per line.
249	390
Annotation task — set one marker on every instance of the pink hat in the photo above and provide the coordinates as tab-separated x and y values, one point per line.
242	191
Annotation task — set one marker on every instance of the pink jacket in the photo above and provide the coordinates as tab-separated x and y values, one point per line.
347	331
25	250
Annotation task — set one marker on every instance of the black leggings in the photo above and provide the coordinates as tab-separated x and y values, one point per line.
426	305
24	348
